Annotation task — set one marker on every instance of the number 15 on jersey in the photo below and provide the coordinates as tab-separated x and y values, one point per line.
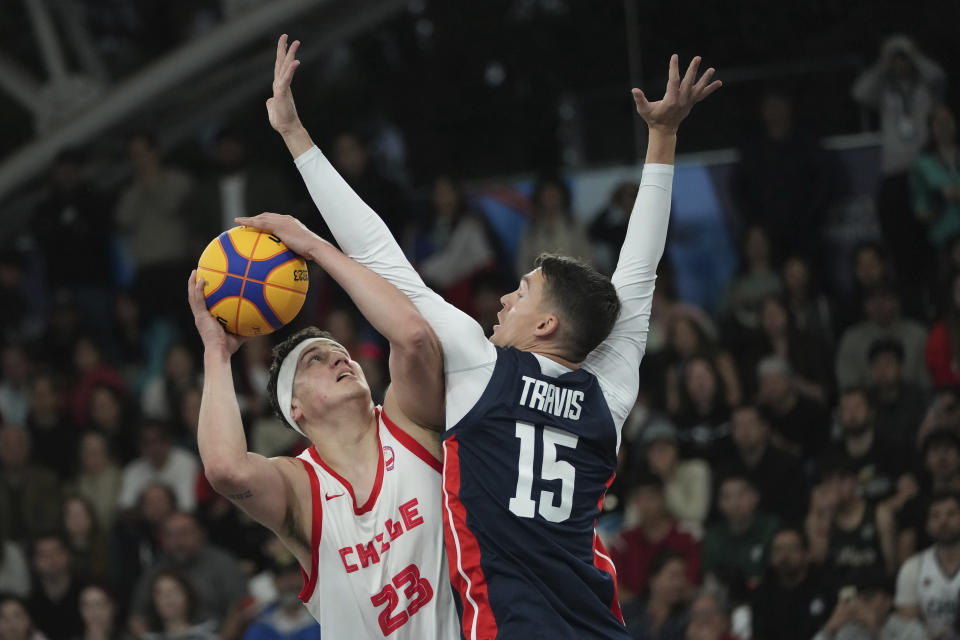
523	503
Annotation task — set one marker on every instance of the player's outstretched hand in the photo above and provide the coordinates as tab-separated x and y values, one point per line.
291	231
211	333
281	110
667	113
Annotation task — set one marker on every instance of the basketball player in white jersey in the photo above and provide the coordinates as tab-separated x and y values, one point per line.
533	416
928	585
361	508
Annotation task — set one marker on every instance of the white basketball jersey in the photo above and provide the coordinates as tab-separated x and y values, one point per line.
938	594
379	569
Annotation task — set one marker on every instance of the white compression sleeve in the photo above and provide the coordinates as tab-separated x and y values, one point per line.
616	361
364	237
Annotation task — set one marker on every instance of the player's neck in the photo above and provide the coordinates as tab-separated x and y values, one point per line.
347	441
551	353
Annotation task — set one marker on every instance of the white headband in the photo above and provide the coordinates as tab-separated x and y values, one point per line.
285	379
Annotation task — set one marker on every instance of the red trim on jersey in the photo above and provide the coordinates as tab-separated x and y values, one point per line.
603	494
604	563
463	552
316	529
411	444
377	483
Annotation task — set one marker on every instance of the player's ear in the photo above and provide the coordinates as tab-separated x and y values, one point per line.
296	411
546	326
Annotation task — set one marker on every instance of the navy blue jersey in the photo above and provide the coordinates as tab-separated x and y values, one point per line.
525	472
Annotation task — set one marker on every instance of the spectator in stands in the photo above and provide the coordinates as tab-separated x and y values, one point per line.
661	614
902	86
703	412
23	314
29	495
286	618
656	530
877	461
800	424
99	478
140	341
90	371
160	400
151	216
88	545
14	384
163	462
173	610
236	186
735	548
755	280
863	612
111	416
898	405
552	227
792	601
776	474
927	584
54	439
935	182
782	182
883	320
352	161
709	617
454	244
136	540
54	602
853	537
213	575
99	612
15	621
76	210
869	269
943	344
14	570
686	482
808	357
941	464
811	310
690	333
609	227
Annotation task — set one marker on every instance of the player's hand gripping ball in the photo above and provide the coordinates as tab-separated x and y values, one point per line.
253	283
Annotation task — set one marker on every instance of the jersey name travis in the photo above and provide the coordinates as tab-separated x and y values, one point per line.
544	396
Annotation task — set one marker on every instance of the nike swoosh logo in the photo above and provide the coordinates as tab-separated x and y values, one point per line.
331	497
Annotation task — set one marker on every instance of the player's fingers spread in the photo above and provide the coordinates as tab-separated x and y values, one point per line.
281	51
292	51
640	100
713	86
691	75
674	73
704	79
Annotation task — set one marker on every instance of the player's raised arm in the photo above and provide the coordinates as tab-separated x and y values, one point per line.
617	359
359	230
263	488
416	359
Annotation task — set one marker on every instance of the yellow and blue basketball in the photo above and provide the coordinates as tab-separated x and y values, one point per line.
253	283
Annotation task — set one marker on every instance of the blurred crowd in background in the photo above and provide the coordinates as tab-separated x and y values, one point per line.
791	453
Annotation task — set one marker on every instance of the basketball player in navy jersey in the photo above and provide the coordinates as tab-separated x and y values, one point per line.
533	415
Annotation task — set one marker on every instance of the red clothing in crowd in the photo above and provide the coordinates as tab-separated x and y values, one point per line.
940	361
631	552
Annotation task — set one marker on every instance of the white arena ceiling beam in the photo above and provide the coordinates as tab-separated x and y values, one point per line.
159	77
